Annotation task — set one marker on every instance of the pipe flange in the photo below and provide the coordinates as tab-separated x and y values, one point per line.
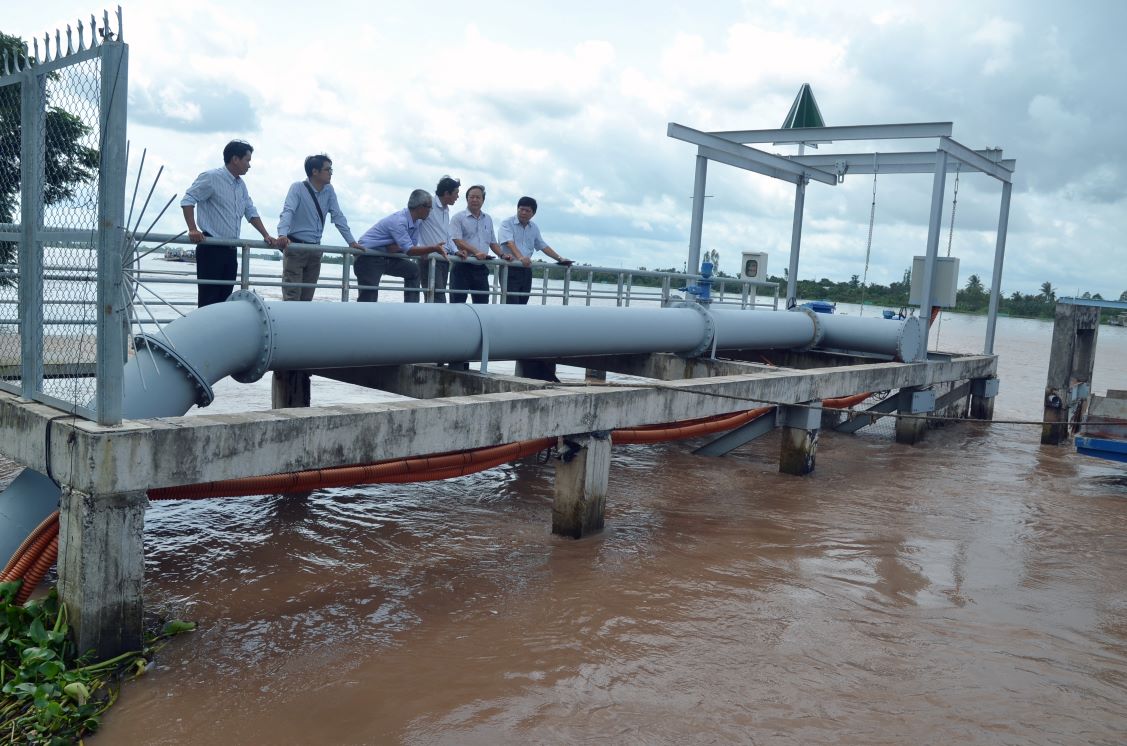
266	349
709	330
819	329
204	394
908	338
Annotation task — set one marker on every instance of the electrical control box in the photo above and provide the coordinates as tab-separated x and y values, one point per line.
945	283
753	266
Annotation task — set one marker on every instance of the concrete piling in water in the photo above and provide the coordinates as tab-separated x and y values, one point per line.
102	568
913	400
982	394
582	476
1072	358
800	426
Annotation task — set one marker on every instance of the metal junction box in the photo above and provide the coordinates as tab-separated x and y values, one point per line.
945	283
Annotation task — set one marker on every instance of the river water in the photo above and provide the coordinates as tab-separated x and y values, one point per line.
970	589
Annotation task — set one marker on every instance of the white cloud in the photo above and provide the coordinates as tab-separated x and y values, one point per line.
569	103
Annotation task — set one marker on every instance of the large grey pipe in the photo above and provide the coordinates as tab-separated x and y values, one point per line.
247	336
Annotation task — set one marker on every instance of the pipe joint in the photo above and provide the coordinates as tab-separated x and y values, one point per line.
266	349
819	328
709	336
204	394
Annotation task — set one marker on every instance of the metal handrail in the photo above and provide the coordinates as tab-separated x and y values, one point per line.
628	290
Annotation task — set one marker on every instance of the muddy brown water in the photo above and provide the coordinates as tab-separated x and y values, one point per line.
972	589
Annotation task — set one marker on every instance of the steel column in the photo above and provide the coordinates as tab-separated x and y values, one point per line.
934	227
111	326
999	257
32	155
795	243
697	226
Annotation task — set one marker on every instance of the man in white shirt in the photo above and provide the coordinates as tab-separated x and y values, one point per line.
436	229
223	201
473	233
303	221
521	238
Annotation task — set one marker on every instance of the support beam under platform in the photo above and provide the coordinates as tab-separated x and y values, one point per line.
741	435
582	476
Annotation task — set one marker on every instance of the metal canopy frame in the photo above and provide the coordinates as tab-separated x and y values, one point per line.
732	148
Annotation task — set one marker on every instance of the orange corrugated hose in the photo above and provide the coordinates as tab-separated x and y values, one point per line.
41	548
51	522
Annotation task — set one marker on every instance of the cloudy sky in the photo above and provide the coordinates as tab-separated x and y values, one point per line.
569	102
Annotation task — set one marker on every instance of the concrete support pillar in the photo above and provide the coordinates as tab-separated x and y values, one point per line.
1071	361
982	394
582	475
538	370
593	374
101	569
913	401
289	388
800	425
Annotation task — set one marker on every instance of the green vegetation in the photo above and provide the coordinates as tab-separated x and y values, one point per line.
48	694
67	162
973	298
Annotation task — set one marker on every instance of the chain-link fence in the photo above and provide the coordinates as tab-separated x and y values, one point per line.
62	167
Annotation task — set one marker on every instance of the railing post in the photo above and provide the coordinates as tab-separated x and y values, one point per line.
346	267
245	261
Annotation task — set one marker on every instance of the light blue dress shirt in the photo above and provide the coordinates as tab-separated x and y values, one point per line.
477	232
526	237
299	218
397	232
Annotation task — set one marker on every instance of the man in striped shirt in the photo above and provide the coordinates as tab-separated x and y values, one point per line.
223	201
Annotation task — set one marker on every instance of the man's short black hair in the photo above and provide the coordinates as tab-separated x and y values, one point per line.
527	202
316	163
236	149
446	185
476	186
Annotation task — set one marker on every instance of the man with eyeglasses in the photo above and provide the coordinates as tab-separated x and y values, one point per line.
521	237
303	221
223	201
436	229
473	232
398	235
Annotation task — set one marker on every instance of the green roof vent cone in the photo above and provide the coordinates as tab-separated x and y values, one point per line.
804	111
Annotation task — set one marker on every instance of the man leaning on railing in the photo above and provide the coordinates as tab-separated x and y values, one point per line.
303	221
223	200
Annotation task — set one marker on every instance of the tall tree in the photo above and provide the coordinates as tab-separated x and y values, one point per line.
68	162
1048	293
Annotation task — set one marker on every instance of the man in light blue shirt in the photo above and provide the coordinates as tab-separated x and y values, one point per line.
303	221
396	234
436	229
521	238
223	201
473	233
